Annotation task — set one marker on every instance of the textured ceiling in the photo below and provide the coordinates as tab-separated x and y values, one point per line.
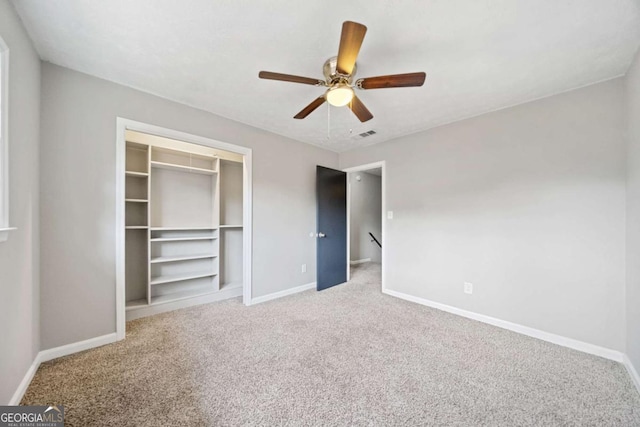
479	55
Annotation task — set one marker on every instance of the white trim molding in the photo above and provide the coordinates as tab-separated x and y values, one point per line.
91	343
24	384
360	261
4	142
284	293
524	330
54	353
4	233
76	347
247	224
151	310
632	372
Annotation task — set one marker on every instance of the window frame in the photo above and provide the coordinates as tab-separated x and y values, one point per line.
4	142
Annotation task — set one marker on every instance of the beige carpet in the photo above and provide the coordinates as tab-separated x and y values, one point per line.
345	356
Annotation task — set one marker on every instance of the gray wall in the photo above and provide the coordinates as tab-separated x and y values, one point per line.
19	303
633	213
78	198
365	216
526	203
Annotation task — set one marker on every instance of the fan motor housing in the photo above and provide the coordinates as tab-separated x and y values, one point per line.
332	75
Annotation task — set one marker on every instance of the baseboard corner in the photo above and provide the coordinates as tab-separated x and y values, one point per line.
280	294
54	353
26	380
76	347
633	373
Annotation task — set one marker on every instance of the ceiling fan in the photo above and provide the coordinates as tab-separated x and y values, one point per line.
339	72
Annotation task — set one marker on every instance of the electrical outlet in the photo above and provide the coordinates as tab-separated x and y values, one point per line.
468	288
389	214
304	268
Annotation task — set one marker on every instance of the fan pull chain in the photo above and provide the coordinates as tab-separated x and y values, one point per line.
328	121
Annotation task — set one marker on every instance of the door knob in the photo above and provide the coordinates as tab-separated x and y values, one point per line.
322	235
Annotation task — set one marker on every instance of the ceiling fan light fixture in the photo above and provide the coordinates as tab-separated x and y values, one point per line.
339	72
339	95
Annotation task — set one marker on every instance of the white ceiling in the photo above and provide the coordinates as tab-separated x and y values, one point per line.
479	55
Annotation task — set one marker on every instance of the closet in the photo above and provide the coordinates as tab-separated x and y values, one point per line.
183	224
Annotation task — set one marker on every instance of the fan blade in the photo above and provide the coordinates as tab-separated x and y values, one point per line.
310	108
289	78
393	80
360	110
350	42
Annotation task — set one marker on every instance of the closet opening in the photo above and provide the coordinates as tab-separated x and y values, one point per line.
183	221
366	222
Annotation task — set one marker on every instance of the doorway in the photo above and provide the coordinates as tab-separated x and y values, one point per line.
179	235
366	207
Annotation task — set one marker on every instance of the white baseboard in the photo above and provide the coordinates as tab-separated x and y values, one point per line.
525	330
24	384
632	372
284	293
617	356
359	261
76	347
54	353
150	310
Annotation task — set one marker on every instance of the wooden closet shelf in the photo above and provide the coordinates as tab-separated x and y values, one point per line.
182	168
138	174
178	239
177	296
130	305
163	259
182	228
181	277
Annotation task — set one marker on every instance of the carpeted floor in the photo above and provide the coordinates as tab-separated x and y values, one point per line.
345	356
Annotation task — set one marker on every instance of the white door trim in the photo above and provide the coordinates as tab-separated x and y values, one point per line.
381	164
123	125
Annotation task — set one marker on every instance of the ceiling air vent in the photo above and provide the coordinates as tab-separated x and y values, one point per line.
366	134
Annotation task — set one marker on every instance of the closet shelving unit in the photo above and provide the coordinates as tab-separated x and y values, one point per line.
231	221
176	248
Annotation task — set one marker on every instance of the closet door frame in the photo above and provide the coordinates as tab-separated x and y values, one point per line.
122	125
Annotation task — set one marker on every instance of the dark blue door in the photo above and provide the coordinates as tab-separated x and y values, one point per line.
331	194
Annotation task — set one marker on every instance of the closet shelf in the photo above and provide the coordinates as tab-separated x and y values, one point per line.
180	277
182	228
178	239
177	296
230	285
133	173
162	259
136	304
136	200
181	168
